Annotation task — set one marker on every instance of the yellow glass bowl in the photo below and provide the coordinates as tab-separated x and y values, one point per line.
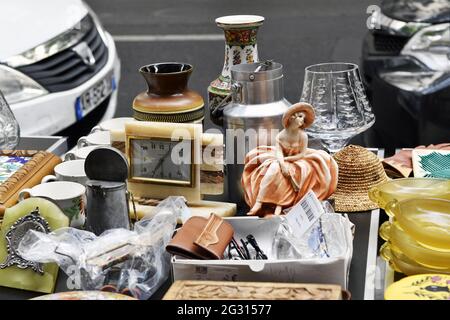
401	263
420	287
426	220
426	257
407	188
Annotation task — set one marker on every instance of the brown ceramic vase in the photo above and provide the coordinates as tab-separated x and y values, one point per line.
168	98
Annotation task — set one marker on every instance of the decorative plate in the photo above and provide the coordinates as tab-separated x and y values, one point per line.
84	295
420	287
431	163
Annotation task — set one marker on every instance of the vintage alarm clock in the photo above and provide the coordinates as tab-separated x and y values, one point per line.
164	159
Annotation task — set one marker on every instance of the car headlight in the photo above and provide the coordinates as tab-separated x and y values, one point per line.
17	87
55	45
379	21
421	81
431	46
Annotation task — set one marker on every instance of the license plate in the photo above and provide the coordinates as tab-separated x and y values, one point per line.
94	96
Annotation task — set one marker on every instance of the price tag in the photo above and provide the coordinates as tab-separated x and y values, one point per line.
305	213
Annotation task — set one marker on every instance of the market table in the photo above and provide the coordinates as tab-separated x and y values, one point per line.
364	281
55	144
367	278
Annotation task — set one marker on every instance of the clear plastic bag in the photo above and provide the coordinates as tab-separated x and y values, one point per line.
326	238
119	260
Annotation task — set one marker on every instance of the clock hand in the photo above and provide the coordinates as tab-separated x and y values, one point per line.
160	162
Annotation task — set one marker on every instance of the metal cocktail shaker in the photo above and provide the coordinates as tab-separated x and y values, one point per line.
253	117
106	191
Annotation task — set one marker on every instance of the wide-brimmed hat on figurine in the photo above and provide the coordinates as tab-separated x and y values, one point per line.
306	108
359	170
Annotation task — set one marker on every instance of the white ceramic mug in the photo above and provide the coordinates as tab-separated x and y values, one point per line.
69	196
98	138
112	124
68	171
116	129
79	154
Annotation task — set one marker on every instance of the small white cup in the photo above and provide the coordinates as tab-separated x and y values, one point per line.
116	129
69	196
79	154
112	124
99	138
68	171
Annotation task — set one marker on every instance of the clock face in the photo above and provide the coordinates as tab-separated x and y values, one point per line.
162	160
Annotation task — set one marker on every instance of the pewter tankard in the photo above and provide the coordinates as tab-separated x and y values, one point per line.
106	191
107	206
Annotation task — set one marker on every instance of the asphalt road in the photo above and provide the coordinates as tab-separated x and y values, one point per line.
296	33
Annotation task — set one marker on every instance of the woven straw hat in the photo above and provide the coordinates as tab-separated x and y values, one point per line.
359	170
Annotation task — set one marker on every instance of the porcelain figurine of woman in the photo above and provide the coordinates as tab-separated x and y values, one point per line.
277	177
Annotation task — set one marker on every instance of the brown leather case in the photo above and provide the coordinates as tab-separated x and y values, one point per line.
201	238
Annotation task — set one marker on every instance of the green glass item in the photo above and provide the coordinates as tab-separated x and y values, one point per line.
402	189
16	272
401	263
426	220
400	240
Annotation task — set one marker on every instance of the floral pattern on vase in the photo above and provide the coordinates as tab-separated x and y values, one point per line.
249	58
240	47
241	37
236	56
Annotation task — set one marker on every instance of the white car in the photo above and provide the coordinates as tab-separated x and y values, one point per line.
58	67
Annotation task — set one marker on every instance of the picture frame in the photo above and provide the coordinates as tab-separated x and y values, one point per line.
25	170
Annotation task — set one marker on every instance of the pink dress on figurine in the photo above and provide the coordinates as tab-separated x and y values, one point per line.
279	176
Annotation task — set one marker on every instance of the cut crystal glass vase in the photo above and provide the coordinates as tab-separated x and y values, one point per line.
342	109
9	127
